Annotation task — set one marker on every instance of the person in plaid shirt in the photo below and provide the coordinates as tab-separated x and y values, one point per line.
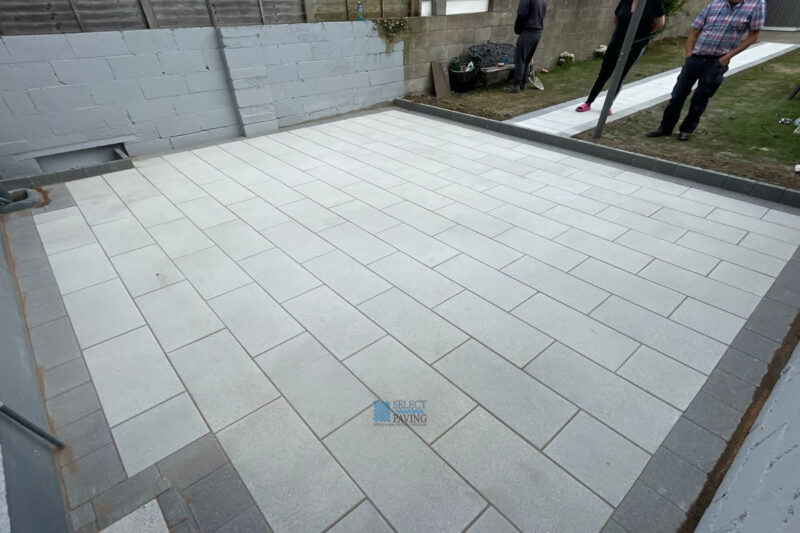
715	38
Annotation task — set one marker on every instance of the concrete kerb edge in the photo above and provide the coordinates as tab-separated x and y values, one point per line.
68	175
764	191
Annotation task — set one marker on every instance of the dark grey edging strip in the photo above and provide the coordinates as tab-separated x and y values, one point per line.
730	182
124	163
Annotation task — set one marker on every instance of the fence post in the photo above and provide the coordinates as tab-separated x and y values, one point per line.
211	13
149	14
77	16
261	10
308	7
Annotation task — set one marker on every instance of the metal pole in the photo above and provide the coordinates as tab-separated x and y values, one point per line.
616	78
21	420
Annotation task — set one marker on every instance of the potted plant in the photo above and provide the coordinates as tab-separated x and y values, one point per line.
462	77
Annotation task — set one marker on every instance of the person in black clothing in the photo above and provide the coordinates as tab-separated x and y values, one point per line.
528	25
652	20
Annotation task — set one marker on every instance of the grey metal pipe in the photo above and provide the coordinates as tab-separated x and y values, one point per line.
22	421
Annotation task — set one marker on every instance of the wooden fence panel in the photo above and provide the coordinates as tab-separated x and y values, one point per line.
105	15
236	12
181	13
34	16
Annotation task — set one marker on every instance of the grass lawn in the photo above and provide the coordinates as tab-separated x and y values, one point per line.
739	132
561	85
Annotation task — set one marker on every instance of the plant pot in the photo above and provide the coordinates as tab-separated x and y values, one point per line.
463	81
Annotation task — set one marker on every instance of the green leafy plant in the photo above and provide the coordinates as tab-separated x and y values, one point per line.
565	59
391	27
672	7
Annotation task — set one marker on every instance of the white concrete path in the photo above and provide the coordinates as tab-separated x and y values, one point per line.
563	120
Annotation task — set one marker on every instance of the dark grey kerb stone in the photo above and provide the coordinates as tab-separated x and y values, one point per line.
21	199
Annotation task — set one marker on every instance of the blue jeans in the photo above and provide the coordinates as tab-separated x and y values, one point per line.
708	73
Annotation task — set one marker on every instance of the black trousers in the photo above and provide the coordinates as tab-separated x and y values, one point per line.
612	56
526	47
708	73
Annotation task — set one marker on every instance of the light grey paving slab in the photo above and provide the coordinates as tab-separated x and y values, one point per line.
601	344
297	485
469	197
420	196
389	460
492	522
354	282
607	251
421	247
340	327
532	203
123	235
501	466
594	225
333	176
365	216
211	272
545	250
423	331
510	179
274	192
491	284
560	182
415	279
631	411
176	422
522	403
357	243
777	231
420	218
177	315
575	201
63	234
673	202
767	245
181	190
640	291
476	245
708	320
315	383
146	518
323	194
180	237
661	376
298	242
742	278
130	185
258	213
726	202
101	312
599	457
644	224
362	518
223	380
696	350
311	215
154	211
702	288
88	188
759	262
238	240
555	283
145	270
206	212
255	319
473	219
394	373
368	193
81	267
280	276
505	334
669	252
772	215
699	225
623	201
103	209
533	222
227	191
131	375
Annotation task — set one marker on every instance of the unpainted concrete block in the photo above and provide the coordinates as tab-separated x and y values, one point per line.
62	97
26	48
116	92
26	76
183	62
97	44
149	41
161	86
90	70
135	66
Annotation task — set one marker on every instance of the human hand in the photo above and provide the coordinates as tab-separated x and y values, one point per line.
724	60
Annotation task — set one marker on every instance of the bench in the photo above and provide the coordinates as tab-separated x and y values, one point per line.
486	56
492	75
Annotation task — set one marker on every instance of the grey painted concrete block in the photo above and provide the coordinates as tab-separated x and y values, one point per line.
153	146
254	97
206	81
218	118
26	76
135	66
151	109
83	70
62	97
148	41
202	137
180	125
199	102
238	58
19	102
5	55
38	47
195	38
260	128
182	62
116	92
75	120
97	44
161	86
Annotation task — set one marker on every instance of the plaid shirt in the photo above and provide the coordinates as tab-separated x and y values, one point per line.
723	25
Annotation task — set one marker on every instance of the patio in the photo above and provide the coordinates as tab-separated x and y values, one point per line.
225	318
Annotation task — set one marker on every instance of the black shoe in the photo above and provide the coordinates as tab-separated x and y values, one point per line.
512	88
659	133
683	136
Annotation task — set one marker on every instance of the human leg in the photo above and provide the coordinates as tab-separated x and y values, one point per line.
709	82
690	72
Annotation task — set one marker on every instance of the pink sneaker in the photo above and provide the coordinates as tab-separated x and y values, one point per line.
583	108
610	112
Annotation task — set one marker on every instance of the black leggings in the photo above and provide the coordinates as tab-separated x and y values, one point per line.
610	60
